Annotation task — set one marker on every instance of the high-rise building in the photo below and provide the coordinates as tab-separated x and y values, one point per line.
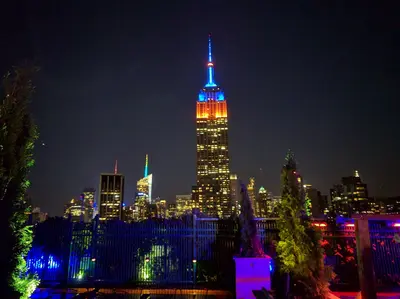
350	197
143	198
235	194
212	192
111	195
251	191
171	210
77	210
88	195
161	205
37	216
184	205
262	203
317	201
389	205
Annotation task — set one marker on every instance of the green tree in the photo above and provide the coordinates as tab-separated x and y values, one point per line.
299	250
251	245
17	136
307	205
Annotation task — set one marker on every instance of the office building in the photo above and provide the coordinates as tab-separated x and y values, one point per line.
77	210
184	205
111	196
88	195
161	205
212	191
171	210
317	201
37	216
143	198
350	197
235	194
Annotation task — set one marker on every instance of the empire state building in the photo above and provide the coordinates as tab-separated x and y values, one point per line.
212	192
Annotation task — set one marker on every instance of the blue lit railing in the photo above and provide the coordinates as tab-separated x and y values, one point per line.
47	266
179	252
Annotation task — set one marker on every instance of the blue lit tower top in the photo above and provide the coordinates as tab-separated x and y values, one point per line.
210	65
146	166
210	87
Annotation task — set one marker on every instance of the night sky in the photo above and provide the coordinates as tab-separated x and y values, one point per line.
118	81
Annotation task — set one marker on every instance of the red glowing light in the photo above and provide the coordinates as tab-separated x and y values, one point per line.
320	224
210	64
396	224
350	225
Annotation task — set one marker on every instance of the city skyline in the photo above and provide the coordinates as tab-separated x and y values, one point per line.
311	79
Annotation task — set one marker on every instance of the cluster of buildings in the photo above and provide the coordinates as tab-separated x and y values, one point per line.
217	191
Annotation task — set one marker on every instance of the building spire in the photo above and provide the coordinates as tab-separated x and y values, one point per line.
116	167
146	166
210	65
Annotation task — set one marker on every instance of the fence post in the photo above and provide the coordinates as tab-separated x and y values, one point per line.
194	260
67	256
364	259
95	226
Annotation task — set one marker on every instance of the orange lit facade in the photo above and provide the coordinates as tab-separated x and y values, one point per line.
211	109
212	191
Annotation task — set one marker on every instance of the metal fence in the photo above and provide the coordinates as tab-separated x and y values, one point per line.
189	252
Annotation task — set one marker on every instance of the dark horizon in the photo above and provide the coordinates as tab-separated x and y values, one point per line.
121	81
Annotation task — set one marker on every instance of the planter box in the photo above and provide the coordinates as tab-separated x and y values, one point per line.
252	274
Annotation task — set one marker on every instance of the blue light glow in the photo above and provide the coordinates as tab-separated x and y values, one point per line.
202	97
146	166
210	85
220	96
210	66
36	263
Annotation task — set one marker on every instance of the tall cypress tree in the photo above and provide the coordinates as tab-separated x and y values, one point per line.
17	136
299	252
251	245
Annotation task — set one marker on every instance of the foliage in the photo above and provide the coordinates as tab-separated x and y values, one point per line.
340	253
307	205
299	250
17	136
251	245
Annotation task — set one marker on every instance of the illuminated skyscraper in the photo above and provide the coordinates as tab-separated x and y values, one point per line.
88	199
212	192
184	205
143	194
251	191
351	197
262	203
111	195
77	210
235	194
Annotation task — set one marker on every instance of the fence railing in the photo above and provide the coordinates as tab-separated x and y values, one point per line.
184	252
